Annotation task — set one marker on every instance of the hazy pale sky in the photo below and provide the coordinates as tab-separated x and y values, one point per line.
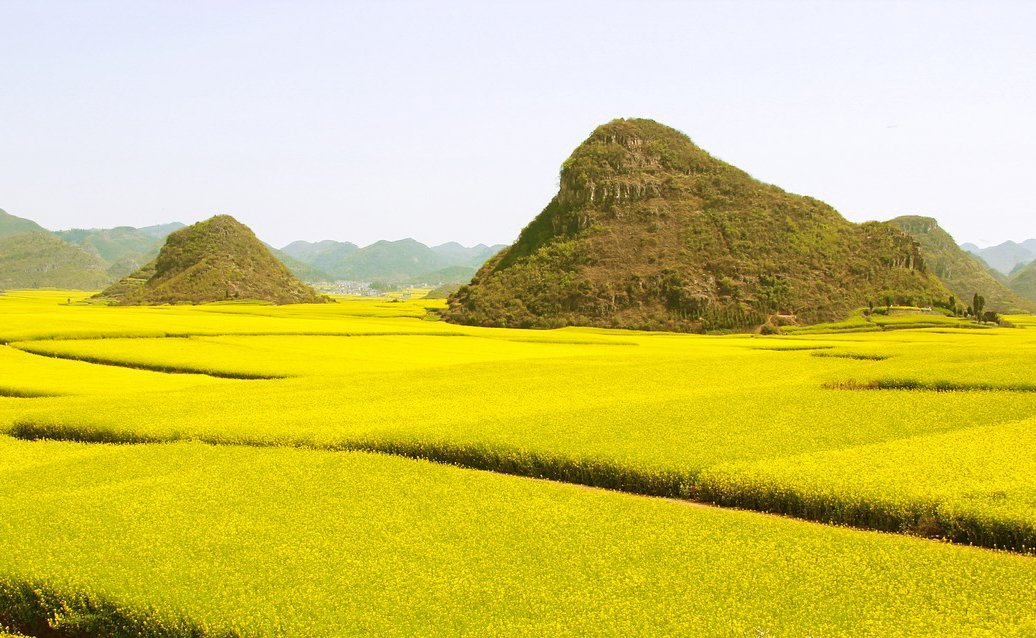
447	121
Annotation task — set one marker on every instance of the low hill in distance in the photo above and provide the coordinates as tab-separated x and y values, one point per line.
400	262
86	259
963	273
125	248
299	268
649	231
1005	257
326	256
219	259
443	292
1023	281
12	225
41	260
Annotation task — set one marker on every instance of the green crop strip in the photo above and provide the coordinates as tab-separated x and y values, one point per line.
859	356
928	386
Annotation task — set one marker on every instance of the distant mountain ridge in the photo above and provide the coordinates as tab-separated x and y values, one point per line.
1005	257
400	261
122	250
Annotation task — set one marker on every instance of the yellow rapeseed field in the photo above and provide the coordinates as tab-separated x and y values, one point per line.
924	431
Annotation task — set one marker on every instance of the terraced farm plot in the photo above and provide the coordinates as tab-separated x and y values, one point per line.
183	537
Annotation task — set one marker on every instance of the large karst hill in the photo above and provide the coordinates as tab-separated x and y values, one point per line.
649	231
219	259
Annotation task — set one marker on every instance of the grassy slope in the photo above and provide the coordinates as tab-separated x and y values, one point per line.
304	543
649	231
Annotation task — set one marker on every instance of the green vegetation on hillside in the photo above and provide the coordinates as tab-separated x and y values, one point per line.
960	271
216	260
444	291
11	225
299	268
41	260
650	231
126	249
1023	281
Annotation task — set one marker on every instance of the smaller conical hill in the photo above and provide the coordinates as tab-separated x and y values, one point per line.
219	259
960	271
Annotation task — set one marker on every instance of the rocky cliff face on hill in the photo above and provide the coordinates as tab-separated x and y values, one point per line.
960	271
649	231
219	259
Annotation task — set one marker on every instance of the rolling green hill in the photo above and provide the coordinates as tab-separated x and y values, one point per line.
460	255
402	261
299	268
1023	282
326	256
11	225
125	248
218	259
960	271
41	260
650	231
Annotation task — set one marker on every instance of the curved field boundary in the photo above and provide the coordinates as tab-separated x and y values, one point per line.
187	335
167	369
930	519
859	356
18	393
35	609
926	520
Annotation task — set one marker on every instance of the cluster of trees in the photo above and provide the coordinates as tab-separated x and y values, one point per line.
976	311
